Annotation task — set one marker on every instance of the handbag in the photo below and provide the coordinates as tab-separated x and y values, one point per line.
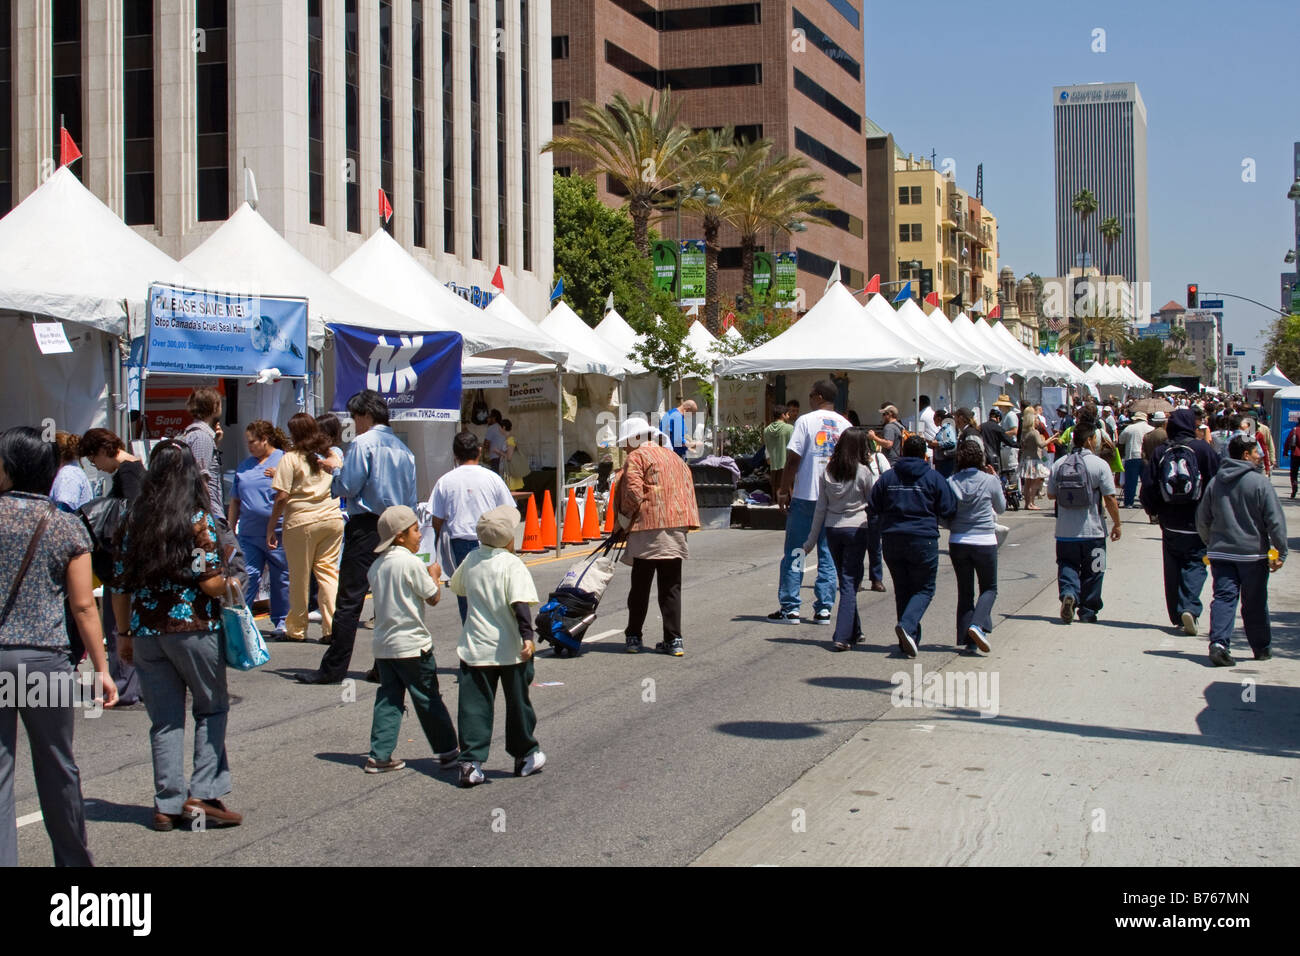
105	519
242	642
27	560
592	575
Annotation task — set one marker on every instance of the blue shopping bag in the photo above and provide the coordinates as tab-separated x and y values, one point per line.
243	643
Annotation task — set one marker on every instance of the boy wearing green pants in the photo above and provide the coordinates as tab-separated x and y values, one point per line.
401	585
496	647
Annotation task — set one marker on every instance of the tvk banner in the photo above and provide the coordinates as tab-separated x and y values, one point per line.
198	332
417	374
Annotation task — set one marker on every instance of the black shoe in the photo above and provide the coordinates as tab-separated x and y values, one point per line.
1220	657
632	644
317	677
372	675
1067	609
1264	655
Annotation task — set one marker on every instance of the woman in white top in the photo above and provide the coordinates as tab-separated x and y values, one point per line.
842	511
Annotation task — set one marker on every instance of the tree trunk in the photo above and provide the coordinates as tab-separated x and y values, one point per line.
712	294
747	272
640	213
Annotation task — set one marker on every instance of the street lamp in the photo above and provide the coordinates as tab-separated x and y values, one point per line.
1290	256
1294	192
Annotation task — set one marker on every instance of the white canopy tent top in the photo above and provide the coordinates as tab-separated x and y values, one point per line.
911	322
734	334
702	343
994	360
65	255
932	356
1272	380
1036	364
1171	390
600	358
383	271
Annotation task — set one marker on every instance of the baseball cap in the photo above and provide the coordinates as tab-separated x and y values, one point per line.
393	522
496	528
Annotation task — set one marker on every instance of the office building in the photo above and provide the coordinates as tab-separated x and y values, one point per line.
1204	340
1100	135
1289	278
442	103
786	71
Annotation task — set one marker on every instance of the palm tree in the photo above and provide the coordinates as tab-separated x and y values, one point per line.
638	145
778	193
1084	204
1111	230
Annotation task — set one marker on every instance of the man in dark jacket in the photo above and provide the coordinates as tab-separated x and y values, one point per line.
994	438
1239	517
910	499
1182	547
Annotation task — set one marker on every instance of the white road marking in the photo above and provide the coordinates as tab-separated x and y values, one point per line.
925	728
602	635
30	818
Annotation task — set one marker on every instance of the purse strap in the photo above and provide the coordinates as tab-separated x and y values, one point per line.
27	560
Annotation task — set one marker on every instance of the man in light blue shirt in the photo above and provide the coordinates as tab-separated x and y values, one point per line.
674	426
378	473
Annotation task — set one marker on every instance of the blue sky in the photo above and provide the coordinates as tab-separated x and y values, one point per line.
1221	83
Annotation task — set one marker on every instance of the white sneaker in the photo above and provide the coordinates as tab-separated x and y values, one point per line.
977	635
534	762
1189	624
313	617
471	773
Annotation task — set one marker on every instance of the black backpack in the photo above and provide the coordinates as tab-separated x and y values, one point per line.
105	520
1073	486
1178	474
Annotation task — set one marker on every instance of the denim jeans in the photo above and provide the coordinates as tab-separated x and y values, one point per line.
913	565
972	563
258	558
1132	475
875	557
798	522
1080	567
1246	581
1185	571
848	550
460	547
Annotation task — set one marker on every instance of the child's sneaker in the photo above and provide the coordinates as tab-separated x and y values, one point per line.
471	773
534	762
448	760
383	766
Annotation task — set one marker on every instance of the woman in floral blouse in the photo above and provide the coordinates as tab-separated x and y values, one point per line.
169	578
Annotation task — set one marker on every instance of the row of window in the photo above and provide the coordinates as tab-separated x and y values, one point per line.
691	78
823	154
694	18
909	232
831	104
828	46
823	267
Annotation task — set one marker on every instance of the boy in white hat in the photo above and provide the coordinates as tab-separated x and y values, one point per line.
496	647
401	586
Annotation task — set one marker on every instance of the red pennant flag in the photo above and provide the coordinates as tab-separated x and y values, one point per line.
67	148
874	284
385	207
729	320
932	299
997	312
497	281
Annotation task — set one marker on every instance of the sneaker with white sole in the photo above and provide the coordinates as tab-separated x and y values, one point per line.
1189	624
448	760
534	762
313	617
978	636
471	773
822	617
633	644
1067	609
672	648
906	643
784	617
383	766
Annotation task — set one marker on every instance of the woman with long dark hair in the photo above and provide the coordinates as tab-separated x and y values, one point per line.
313	525
169	578
973	543
44	562
842	510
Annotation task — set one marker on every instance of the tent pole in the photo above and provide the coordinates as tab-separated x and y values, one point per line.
917	419
559	458
717	415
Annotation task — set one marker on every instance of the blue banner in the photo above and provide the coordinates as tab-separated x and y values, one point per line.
418	374
199	332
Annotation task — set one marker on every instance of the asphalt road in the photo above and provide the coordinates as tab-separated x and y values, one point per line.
651	759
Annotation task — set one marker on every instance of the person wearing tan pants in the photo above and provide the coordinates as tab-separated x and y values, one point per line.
313	525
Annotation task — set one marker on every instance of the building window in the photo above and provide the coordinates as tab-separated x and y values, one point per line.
503	234
137	112
938	196
559	47
315	114
475	135
903	196
748	133
909	232
386	105
6	111
692	78
559	112
843	220
821	266
448	134
66	73
213	105
828	46
848	12
836	107
417	123
352	111
827	157
908	270
694	18
565	171
916	195
526	179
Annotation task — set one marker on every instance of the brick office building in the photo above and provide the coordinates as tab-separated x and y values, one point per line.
788	71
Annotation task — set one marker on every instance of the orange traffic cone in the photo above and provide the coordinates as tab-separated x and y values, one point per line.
532	529
572	520
548	521
591	518
611	509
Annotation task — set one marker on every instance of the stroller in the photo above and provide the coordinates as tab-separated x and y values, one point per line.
1011	488
570	609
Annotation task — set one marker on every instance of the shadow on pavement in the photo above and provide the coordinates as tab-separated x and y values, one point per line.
769	729
102	811
850	683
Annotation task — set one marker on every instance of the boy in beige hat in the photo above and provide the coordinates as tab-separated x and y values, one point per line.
401	586
496	647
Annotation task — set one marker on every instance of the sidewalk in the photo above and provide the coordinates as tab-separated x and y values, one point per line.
1114	744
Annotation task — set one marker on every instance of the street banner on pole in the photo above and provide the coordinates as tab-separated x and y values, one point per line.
199	332
663	255
787	278
762	273
692	273
418	375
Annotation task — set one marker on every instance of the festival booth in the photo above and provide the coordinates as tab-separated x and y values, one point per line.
642	393
1001	369
941	366
65	257
1108	381
1267	384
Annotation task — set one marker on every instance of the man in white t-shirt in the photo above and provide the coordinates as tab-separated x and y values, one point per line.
494	442
461	497
810	448
928	429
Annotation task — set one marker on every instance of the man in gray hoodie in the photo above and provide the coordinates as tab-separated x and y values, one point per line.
1238	518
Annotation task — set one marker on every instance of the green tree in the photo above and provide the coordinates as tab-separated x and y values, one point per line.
638	145
1149	359
1282	347
1084	205
1111	230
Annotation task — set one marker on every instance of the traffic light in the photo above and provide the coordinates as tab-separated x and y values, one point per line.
927	282
1193	298
1229	348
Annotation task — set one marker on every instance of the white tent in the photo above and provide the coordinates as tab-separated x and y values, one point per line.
1270	381
702	343
1036	365
734	334
1171	390
918	325
565	326
381	270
